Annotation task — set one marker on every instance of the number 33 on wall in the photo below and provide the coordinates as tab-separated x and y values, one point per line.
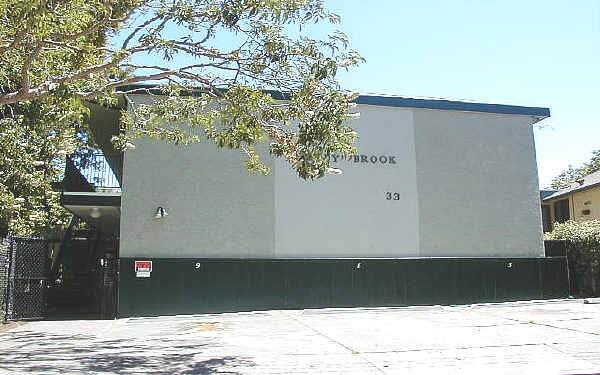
392	196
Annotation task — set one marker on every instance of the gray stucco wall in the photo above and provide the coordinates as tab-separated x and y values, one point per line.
216	207
466	185
478	186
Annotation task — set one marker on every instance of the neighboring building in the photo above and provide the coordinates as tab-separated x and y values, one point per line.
546	218
440	206
580	201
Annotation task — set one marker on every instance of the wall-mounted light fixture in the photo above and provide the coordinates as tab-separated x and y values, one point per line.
160	213
95	213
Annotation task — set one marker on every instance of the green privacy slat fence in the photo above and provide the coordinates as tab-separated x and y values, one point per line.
180	286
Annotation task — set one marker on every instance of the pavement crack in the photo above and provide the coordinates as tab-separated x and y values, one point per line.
552	326
351	350
521	321
570	355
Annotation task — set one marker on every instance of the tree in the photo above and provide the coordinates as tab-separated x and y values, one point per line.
221	65
571	175
35	138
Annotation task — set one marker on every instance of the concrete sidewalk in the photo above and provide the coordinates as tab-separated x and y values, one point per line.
550	337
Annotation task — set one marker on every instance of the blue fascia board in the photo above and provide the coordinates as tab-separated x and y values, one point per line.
393	101
452	105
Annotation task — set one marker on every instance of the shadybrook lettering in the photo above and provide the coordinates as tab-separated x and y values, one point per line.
368	159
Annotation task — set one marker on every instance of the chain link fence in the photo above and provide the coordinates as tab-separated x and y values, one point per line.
4	248
27	279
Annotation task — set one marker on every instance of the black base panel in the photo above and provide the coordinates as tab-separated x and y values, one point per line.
189	286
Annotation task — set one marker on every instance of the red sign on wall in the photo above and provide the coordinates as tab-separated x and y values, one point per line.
143	268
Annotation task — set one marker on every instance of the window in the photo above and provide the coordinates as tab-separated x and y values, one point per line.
561	211
546	219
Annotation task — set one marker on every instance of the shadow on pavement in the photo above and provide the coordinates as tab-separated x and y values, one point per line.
73	354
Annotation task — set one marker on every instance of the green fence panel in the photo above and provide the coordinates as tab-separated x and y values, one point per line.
184	286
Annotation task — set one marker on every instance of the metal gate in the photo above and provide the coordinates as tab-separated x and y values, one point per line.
27	279
108	287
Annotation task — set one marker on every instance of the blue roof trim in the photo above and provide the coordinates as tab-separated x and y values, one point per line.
452	105
392	101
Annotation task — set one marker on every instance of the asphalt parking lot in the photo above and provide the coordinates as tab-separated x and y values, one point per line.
550	337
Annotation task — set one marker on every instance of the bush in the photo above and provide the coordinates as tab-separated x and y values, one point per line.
577	231
583	252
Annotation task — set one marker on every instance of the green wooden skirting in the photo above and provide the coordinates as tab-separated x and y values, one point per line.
177	286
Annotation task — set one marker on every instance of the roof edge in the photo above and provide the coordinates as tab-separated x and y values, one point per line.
559	194
392	101
453	105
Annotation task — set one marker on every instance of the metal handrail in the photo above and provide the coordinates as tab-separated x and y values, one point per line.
97	171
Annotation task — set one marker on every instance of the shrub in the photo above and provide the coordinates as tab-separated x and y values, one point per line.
583	252
577	231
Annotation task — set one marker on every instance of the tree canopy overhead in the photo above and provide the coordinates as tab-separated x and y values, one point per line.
571	175
57	54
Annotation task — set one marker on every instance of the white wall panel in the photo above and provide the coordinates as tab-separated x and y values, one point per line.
348	215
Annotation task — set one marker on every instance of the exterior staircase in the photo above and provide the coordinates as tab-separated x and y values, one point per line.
73	287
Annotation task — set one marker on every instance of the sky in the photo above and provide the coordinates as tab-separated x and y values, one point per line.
526	52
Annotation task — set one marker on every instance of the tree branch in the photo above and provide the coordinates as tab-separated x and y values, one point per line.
128	81
18	38
26	66
90	28
137	29
44	88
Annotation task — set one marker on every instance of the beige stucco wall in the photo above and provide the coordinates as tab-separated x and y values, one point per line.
466	185
586	200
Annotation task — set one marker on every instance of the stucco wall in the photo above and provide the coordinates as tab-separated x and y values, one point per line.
461	184
586	200
349	215
478	187
216	207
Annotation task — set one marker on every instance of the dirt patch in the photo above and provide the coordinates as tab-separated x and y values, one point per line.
205	326
6	326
